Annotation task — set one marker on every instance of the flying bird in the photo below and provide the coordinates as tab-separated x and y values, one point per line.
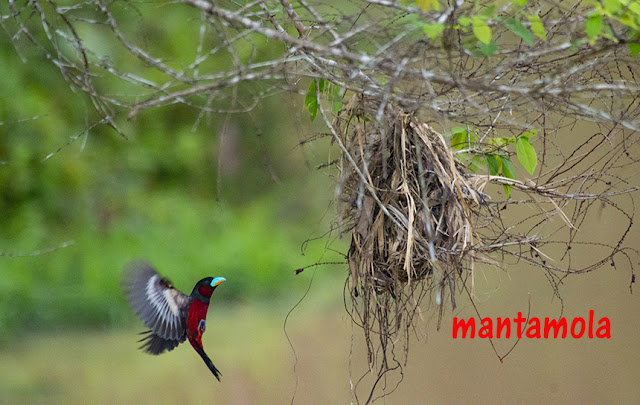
171	316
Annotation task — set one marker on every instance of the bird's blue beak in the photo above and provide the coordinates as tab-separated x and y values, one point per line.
217	281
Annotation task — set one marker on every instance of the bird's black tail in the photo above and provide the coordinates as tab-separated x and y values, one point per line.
207	360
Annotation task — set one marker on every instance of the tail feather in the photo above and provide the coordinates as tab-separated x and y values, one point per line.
207	360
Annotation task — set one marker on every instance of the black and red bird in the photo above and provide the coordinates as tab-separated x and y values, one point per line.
171	315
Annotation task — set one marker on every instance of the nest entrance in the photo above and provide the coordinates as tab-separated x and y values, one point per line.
410	209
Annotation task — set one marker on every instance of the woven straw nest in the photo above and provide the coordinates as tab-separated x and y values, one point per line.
409	207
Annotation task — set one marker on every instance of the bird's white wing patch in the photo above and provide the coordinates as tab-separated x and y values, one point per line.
160	306
165	316
172	302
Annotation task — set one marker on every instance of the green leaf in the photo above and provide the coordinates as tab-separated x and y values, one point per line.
493	165
634	49
336	99
627	19
507	190
464	21
488	49
462	140
607	33
476	164
526	154
428	5
481	30
593	27
456	130
612	6
433	30
311	94
459	140
537	27
529	134
310	101
635	7
520	30
498	142
508	170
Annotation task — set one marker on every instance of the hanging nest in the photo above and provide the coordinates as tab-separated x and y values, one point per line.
410	209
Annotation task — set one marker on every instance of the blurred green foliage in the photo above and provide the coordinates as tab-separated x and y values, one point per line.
160	194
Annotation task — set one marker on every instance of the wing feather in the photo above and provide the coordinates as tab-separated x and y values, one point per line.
154	344
161	307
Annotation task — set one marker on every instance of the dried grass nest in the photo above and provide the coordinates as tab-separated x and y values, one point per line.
409	206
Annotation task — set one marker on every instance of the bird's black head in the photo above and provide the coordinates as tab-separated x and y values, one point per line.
204	288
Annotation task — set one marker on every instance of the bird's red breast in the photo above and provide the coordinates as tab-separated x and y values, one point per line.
197	313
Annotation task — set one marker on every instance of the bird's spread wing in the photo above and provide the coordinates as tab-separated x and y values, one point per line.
160	306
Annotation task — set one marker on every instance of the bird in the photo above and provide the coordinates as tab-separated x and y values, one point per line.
171	316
